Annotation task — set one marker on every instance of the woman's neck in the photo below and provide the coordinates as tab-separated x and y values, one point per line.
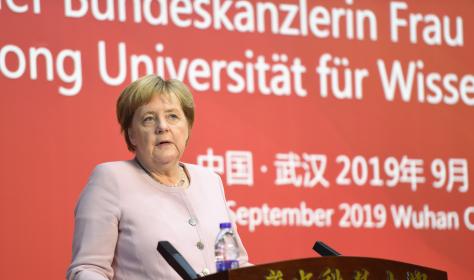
167	174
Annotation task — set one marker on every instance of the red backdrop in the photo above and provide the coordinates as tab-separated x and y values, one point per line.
365	160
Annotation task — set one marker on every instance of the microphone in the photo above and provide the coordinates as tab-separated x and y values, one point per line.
176	261
324	250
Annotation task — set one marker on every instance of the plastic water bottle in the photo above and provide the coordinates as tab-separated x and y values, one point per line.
226	248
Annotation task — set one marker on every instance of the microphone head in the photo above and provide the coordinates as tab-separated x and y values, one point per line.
324	250
176	261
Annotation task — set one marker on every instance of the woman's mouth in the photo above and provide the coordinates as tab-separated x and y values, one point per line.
163	143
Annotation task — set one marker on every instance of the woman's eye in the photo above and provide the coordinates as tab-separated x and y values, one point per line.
148	119
173	116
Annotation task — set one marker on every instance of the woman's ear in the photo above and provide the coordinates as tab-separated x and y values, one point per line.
189	136
131	136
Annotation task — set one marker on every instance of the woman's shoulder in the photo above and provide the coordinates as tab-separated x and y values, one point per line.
114	173
114	167
200	170
200	173
116	164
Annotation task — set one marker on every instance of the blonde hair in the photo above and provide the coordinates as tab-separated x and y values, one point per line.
141	91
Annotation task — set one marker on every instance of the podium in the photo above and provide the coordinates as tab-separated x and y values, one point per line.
332	268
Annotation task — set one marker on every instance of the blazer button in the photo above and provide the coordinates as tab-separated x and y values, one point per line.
192	222
205	271
200	245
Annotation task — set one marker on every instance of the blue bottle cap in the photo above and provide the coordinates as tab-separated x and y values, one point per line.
225	225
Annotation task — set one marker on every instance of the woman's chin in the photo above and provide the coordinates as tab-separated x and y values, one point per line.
166	157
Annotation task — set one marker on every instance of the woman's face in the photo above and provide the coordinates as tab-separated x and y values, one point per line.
159	132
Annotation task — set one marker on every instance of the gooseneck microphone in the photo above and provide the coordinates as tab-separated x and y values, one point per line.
176	261
324	250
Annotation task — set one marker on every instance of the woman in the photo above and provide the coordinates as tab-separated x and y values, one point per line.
128	206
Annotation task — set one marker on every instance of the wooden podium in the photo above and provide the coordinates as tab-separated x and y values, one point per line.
332	268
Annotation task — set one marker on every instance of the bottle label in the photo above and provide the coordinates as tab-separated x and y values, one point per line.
226	265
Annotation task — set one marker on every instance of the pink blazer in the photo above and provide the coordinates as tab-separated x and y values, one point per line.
123	213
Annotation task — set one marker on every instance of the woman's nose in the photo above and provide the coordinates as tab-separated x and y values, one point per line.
162	125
